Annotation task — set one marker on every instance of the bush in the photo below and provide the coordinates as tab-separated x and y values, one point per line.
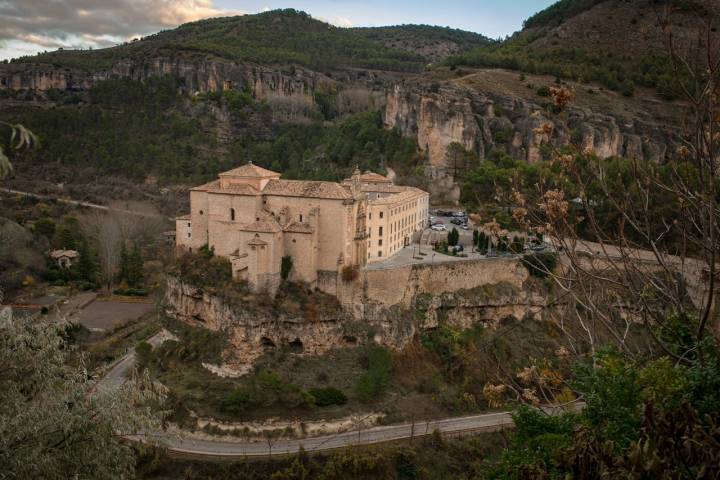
540	264
325	397
131	292
350	273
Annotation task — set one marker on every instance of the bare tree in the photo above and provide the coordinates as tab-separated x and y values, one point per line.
639	242
108	233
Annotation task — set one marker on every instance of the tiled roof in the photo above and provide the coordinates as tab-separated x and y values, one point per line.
383	189
306	188
297	227
369	176
264	226
64	253
207	186
239	189
250	171
405	196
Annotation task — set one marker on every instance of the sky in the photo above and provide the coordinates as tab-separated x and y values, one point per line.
31	26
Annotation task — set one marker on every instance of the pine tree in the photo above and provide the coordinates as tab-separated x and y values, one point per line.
87	267
453	237
66	239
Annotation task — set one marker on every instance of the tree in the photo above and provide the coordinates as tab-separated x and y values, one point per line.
106	230
20	137
453	237
53	423
87	267
286	267
45	227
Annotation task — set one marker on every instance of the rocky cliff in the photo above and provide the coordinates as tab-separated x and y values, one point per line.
378	316
198	76
481	120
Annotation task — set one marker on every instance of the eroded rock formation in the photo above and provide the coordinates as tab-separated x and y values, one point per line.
438	115
377	315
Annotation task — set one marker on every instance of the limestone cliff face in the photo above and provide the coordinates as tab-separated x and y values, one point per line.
437	116
379	316
196	76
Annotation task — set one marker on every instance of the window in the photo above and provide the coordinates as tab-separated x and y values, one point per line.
232	214
188	224
201	212
370	216
189	234
301	218
380	231
379	253
380	243
381	214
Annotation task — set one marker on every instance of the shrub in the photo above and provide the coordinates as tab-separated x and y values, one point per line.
131	292
325	397
350	273
373	382
286	267
540	264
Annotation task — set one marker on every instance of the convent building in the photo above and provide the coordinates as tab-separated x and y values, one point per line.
254	218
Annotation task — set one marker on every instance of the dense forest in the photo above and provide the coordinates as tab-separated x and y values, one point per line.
137	129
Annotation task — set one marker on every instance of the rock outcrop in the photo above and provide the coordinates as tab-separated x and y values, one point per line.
195	76
379	316
439	115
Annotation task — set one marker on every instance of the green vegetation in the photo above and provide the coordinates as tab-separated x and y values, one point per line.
636	410
138	129
327	396
622	74
286	267
129	128
540	264
558	12
278	37
374	382
329	152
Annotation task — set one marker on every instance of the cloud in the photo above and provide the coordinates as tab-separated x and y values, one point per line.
96	23
338	21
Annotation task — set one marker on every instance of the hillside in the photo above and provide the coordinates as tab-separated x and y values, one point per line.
280	37
618	43
433	43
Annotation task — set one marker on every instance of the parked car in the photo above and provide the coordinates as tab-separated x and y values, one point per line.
456	221
465	226
439	227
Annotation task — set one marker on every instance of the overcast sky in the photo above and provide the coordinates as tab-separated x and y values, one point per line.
31	26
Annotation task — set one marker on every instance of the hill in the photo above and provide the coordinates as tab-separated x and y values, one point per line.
431	42
280	37
615	42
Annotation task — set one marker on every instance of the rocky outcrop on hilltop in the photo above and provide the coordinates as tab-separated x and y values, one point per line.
437	116
195	76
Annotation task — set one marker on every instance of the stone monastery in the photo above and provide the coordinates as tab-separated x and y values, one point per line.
254	218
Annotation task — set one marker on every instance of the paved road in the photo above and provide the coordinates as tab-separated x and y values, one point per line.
78	203
198	448
118	373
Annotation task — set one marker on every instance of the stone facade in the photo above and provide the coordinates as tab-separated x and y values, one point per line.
254	218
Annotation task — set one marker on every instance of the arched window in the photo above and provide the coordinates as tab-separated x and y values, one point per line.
232	214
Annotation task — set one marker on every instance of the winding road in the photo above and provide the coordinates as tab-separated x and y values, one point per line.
200	448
